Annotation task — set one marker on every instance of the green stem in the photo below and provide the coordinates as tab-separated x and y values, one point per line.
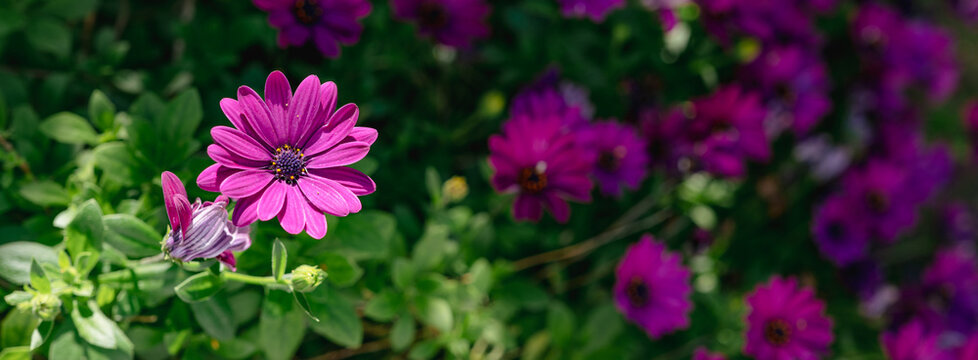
250	279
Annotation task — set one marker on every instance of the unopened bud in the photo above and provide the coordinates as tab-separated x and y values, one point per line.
46	306
306	278
455	189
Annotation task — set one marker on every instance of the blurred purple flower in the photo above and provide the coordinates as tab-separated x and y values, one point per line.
795	83
840	231
879	191
539	160
328	22
912	342
454	23
652	288
968	9
959	224
827	161
786	322
200	230
620	153
864	277
287	155
549	96
770	21
702	353
953	278
596	10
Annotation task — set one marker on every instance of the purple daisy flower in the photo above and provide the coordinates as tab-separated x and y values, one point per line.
953	279
968	9
795	83
328	22
287	155
702	353
959	224
912	342
549	96
880	192
541	162
199	230
786	322
454	23
620	153
840	231
652	288
596	10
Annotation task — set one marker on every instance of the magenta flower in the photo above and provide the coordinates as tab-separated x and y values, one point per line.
596	10
328	22
912	342
786	322
541	162
621	155
454	23
652	288
702	353
970	348
841	231
286	156
199	230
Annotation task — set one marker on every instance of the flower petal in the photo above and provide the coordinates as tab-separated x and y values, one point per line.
245	211
303	111
176	203
324	195
325	42
271	201
292	218
365	134
327	96
340	155
315	222
278	94
557	206
258	115
224	157
245	183
359	183
239	144
336	129
527	207
232	110
211	178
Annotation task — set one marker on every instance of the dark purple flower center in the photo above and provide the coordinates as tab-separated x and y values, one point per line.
878	201
432	15
777	332
610	161
835	231
307	11
637	292
289	164
533	179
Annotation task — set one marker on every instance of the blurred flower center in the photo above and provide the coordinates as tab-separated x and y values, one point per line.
308	11
777	332
835	231
611	160
289	164
878	202
534	179
637	291
432	15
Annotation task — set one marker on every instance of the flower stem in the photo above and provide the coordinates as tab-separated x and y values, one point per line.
250	279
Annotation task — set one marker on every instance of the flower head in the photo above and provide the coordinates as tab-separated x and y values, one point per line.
328	22
596	10
912	342
840	231
542	163
549	96
621	155
702	353
200	230
287	155
454	23
786	322
652	288
952	280
795	82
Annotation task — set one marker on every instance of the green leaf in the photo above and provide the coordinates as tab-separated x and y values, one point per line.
342	270
402	272
480	276
433	182
424	350
435	312
116	162
84	232
184	114
94	327
50	36
300	298
430	250
16	258
101	110
366	235
279	259
602	326
560	324
338	318
384	306
16	353
70	9
214	315
131	236
39	279
281	326
246	305
17	327
402	333
69	128
66	345
199	287
41	334
45	193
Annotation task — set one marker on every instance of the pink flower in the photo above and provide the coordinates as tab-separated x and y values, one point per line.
287	156
786	322
652	288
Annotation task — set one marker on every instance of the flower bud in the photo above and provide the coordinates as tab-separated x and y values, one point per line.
306	278
46	306
455	189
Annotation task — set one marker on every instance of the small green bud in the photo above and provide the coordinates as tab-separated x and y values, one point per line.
46	306
455	189
306	278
